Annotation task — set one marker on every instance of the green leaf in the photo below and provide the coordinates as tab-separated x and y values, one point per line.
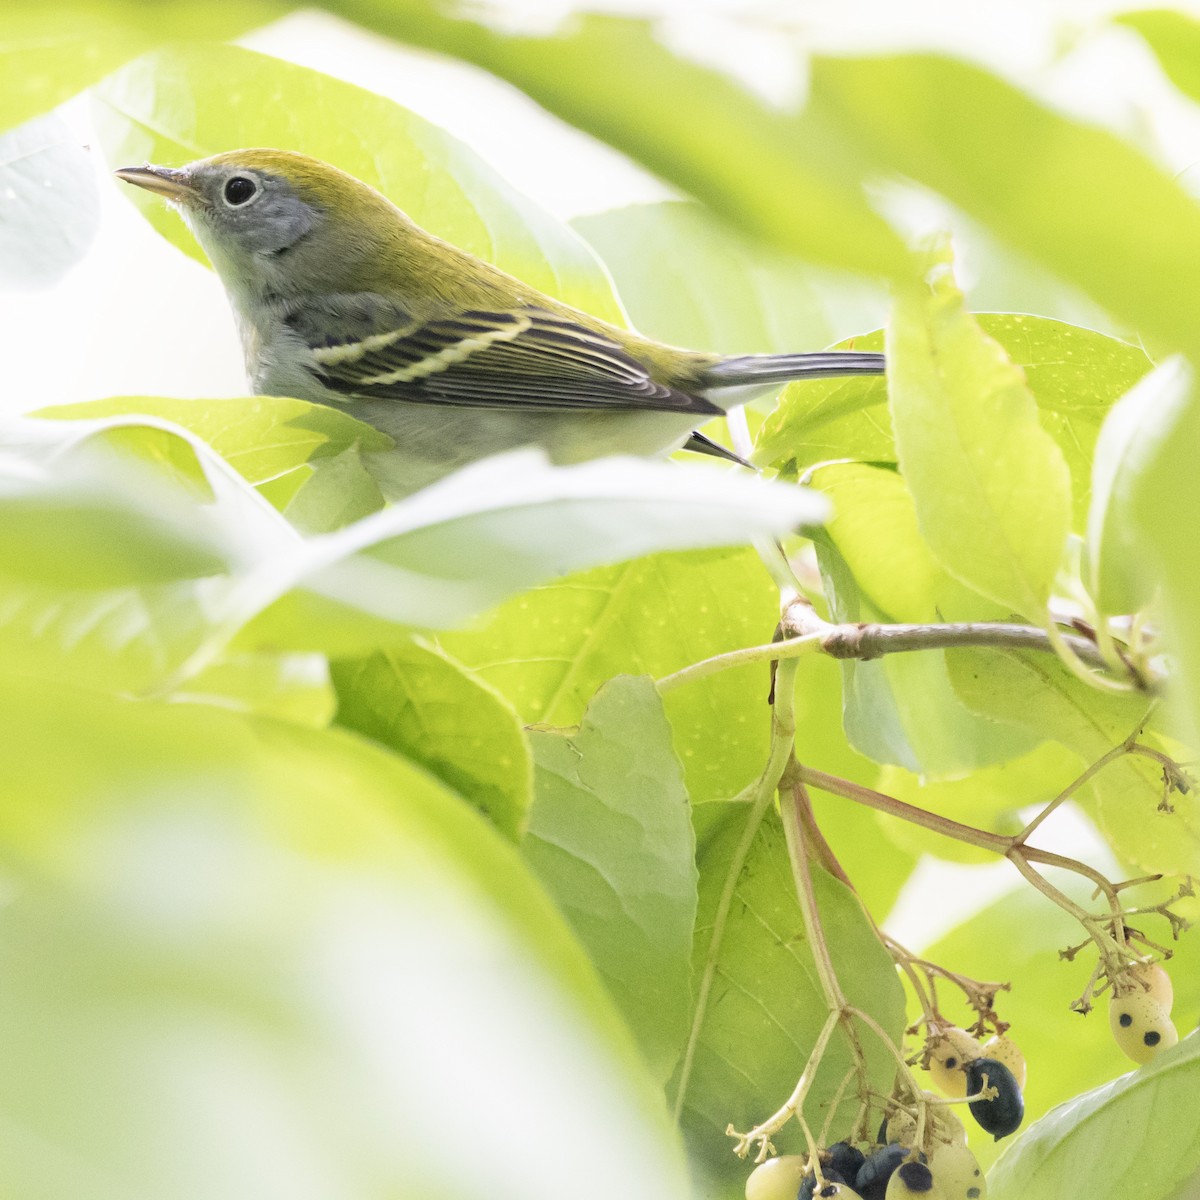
498	527
49	203
610	837
991	488
75	519
901	708
743	155
1040	180
292	687
48	53
229	943
176	105
1165	506
420	703
260	437
765	1008
552	648
1175	39
1038	693
736	296
1136	1135
1075	375
1129	439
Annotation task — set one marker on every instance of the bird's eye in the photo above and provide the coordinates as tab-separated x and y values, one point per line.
239	190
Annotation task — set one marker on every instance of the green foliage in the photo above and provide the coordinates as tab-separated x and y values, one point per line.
1075	375
370	827
1055	1155
424	706
48	53
765	1008
737	295
1127	246
549	651
990	487
176	105
743	155
610	838
221	915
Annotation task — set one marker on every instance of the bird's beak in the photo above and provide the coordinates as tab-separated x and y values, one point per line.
166	181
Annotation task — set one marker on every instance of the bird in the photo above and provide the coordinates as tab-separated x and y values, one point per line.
343	300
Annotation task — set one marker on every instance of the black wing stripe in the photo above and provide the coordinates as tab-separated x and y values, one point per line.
523	359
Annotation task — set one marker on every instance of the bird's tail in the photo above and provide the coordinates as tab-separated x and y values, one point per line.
765	369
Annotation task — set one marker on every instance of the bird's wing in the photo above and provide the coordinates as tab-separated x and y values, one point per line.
522	359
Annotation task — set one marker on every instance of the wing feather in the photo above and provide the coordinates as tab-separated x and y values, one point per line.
527	358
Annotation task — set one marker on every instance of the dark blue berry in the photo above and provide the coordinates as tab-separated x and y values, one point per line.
1003	1114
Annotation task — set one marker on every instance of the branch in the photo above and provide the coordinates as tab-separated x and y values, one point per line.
865	641
807	633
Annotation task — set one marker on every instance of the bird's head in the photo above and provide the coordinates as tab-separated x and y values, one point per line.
275	222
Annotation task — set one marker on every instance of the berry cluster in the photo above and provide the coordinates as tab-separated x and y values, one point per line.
892	1171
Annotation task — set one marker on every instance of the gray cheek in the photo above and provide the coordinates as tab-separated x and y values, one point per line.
276	225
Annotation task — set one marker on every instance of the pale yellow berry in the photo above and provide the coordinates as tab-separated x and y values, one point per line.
1140	1026
1155	982
949	1054
957	1174
1009	1053
776	1179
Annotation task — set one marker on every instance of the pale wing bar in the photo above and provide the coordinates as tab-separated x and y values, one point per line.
523	359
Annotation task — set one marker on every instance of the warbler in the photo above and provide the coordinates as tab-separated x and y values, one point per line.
342	299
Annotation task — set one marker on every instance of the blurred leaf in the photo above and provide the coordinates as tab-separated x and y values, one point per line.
227	944
116	640
999	278
1165	500
420	703
177	105
1138	1132
900	708
1075	375
1040	180
335	493
49	203
991	489
1174	37
765	1009
500	526
261	437
49	52
735	296
610	837
293	687
1129	438
550	649
746	157
1037	692
75	519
